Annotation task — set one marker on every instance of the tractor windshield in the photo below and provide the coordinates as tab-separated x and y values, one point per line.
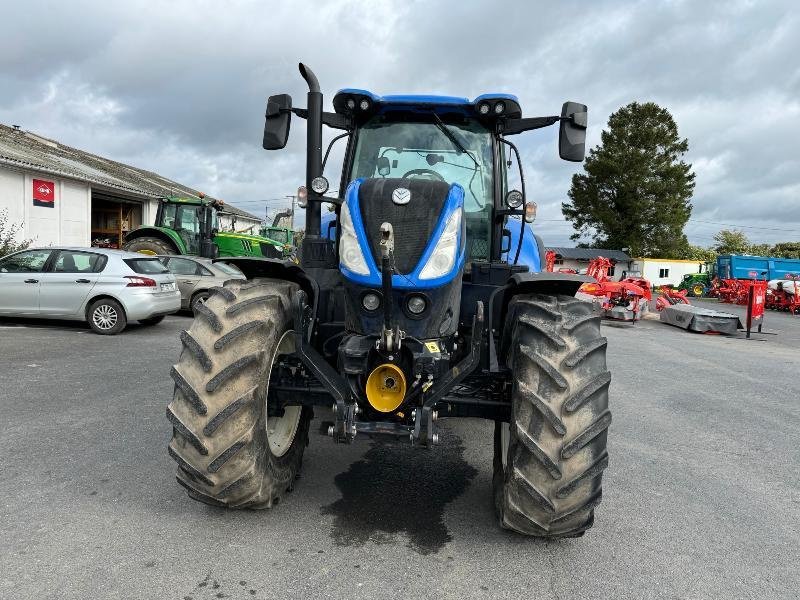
422	150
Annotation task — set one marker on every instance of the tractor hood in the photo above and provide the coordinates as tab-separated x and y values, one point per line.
428	223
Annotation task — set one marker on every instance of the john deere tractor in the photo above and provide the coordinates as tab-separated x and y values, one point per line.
420	300
190	226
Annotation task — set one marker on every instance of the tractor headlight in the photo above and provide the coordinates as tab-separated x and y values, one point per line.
443	257
371	301
416	304
351	255
319	185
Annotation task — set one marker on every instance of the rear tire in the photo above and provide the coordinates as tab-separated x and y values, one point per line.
149	245
106	317
226	456
548	461
698	290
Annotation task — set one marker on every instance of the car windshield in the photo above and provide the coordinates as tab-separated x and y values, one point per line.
422	150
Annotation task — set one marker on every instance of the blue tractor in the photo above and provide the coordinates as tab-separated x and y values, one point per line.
419	299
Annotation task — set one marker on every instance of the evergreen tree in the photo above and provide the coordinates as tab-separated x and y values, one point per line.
636	189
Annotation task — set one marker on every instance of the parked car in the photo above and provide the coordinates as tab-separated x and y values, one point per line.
106	288
196	276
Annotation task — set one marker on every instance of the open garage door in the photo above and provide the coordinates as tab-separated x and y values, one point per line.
113	217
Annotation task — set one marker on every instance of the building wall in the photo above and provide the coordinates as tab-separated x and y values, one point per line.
241	224
66	224
652	268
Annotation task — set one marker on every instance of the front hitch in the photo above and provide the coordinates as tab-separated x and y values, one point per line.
391	335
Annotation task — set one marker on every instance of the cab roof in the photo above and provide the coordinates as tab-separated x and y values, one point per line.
426	102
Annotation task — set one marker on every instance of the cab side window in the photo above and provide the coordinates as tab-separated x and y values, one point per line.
30	261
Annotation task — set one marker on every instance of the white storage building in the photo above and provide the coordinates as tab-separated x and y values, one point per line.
68	197
666	271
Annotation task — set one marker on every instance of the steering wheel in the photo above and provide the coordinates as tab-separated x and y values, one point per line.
424	174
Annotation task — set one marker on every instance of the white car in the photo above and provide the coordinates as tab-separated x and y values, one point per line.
105	288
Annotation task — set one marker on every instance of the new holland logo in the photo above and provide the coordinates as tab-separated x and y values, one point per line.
401	196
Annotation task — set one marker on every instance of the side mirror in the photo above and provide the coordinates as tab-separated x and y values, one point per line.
276	127
572	132
384	166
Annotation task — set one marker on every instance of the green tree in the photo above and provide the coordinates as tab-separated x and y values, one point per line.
636	189
786	250
9	234
760	250
731	241
697	253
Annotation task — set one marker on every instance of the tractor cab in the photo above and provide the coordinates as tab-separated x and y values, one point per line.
190	220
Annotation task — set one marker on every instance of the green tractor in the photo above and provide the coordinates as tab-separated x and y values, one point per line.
283	235
698	284
421	298
190	226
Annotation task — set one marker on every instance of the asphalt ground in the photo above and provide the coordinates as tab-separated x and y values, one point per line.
701	498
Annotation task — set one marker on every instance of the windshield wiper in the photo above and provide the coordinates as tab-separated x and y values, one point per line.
452	137
459	146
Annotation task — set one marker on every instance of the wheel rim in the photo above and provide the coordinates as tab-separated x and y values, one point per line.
148	252
104	317
698	290
281	430
200	299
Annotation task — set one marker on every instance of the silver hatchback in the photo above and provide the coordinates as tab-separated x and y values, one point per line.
106	288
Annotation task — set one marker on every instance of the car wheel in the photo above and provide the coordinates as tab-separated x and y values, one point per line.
198	298
107	317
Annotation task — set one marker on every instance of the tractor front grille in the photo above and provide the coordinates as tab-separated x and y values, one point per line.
413	223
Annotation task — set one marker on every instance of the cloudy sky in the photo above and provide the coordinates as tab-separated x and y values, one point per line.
180	87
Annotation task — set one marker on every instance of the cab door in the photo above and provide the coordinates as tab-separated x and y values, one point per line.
67	283
20	278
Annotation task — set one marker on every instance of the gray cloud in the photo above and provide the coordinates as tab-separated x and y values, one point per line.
180	87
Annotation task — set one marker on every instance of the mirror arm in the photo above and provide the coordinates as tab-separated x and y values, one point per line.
514	126
330	119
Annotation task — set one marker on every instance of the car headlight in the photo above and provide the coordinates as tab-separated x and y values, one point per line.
443	257
351	255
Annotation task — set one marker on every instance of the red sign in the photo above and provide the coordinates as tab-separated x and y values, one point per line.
44	193
759	298
756	298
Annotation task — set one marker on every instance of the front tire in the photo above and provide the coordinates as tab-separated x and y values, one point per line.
229	452
549	460
698	290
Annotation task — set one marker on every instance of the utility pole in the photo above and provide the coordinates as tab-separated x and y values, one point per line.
294	198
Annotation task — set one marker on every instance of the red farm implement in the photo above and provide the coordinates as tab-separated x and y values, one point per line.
784	294
624	300
669	296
